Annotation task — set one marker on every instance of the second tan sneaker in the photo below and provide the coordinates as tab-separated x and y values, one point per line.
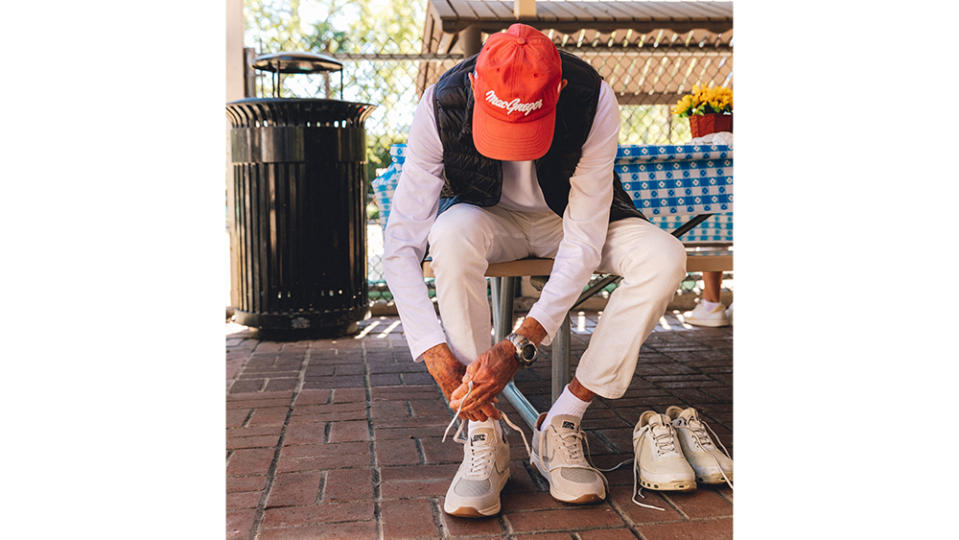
557	454
711	465
658	456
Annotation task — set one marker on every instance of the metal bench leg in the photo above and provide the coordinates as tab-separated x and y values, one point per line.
502	291
494	287
503	320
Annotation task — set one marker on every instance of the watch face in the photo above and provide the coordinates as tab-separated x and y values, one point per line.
529	351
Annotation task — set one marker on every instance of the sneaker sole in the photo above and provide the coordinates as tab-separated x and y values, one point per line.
470	512
559	495
711	324
675	485
711	479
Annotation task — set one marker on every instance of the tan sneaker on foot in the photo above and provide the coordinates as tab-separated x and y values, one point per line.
711	465
484	471
557	454
658	457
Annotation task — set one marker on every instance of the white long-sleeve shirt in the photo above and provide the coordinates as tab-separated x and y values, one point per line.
416	202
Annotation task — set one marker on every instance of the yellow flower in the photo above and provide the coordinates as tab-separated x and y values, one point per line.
706	99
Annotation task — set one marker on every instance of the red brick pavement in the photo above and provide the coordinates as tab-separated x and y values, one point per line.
340	438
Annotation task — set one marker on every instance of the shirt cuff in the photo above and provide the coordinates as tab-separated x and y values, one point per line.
550	323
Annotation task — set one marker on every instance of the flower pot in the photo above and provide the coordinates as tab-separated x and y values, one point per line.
705	124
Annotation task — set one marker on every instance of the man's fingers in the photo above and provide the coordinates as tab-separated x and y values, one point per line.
477	404
458	392
471	369
491	411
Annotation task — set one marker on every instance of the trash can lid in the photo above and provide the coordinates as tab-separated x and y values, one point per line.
296	62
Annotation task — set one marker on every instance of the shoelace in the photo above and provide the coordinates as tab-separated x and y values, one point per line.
699	433
638	489
666	441
572	452
570	441
459	430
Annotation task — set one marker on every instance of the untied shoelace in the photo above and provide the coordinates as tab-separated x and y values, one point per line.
665	442
459	430
699	433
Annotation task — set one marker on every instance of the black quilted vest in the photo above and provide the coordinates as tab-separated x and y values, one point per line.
475	179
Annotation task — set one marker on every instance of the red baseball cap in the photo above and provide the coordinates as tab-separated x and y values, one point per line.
516	87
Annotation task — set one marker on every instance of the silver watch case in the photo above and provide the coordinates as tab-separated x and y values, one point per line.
525	349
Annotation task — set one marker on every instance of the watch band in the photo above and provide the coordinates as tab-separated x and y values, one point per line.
525	349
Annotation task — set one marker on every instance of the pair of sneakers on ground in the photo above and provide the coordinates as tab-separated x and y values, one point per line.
673	451
558	454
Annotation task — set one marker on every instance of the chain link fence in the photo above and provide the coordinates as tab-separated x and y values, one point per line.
388	61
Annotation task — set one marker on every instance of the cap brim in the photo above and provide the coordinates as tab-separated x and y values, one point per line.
512	141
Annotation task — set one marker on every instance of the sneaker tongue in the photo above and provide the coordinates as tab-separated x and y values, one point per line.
689	414
565	421
481	436
659	420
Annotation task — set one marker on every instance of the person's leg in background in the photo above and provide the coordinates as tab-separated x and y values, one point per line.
710	311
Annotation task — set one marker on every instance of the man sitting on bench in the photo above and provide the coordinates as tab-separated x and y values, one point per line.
510	155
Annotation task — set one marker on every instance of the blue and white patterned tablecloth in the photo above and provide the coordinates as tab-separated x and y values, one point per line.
677	179
667	183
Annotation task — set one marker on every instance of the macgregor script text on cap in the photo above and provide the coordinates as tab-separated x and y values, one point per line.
514	105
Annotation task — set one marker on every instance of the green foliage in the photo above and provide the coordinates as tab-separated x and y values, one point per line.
342	27
273	25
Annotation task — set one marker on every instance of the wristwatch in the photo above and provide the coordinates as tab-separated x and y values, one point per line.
525	350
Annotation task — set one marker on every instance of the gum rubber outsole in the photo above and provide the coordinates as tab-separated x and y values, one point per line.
589	498
470	512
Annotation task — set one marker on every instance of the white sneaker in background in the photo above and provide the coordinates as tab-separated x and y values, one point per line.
711	465
557	454
701	316
658	456
481	476
729	314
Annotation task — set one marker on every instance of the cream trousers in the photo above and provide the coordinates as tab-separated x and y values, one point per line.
466	238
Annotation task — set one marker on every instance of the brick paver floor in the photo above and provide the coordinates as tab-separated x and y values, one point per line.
340	438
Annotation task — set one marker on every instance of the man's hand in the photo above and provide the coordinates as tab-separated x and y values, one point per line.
448	373
446	370
490	374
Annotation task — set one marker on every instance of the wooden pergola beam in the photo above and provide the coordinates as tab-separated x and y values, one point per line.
524	8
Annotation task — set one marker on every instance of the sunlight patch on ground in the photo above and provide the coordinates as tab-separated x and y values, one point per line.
367	330
233	328
389	329
682	320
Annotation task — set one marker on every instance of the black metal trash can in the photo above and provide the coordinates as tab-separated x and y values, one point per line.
299	239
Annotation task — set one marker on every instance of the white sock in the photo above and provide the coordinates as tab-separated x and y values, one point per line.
710	305
568	404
